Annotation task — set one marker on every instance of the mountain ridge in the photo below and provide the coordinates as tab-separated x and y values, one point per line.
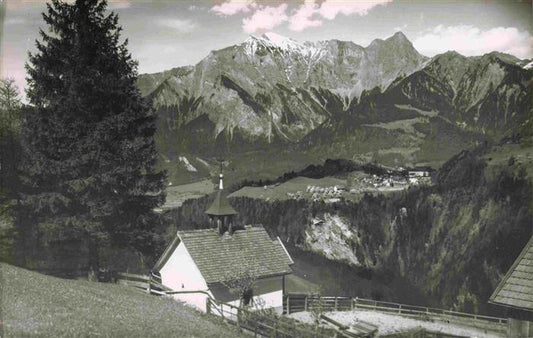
300	74
275	92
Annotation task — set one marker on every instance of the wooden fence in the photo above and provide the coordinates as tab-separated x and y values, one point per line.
142	282
261	323
276	326
304	302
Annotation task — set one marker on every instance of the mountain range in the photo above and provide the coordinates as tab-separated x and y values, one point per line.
385	102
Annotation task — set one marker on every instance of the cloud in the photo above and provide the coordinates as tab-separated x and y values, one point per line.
265	19
182	26
233	7
469	40
307	15
329	9
301	19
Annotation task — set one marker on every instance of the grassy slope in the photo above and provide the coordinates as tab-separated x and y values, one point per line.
176	195
35	304
280	192
296	284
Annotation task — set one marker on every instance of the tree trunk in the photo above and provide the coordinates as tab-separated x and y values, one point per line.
94	263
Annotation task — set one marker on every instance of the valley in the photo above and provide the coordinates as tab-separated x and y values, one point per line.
474	207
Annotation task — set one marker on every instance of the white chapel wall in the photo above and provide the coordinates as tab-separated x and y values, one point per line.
180	273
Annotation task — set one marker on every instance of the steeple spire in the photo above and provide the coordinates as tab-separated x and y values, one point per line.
220	177
220	211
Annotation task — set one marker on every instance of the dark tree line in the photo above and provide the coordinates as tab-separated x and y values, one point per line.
10	107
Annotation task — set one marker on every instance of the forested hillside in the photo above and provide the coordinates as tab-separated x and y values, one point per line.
454	239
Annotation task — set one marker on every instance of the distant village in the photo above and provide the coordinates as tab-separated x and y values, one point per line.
397	180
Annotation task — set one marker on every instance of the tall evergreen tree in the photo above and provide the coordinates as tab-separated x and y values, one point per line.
90	170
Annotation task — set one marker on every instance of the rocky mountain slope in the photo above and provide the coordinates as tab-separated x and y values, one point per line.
272	88
452	103
383	102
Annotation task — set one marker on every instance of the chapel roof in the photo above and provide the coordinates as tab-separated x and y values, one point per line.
222	257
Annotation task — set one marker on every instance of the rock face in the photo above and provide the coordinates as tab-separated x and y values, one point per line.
332	237
270	88
384	102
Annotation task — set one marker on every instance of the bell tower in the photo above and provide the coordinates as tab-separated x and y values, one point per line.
221	212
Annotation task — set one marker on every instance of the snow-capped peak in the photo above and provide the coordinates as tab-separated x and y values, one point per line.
281	41
284	44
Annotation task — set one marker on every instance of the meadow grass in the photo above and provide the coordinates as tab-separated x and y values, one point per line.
178	194
297	284
33	304
279	192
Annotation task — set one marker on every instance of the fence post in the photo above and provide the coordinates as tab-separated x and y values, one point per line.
288	304
351	303
305	303
400	308
239	319
336	304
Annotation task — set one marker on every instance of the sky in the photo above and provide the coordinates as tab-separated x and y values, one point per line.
167	34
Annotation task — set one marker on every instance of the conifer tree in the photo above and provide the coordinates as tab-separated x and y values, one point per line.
89	170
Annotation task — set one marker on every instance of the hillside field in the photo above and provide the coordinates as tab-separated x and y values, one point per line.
33	304
176	195
280	192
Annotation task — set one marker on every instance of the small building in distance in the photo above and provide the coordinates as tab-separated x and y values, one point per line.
515	292
205	262
419	172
